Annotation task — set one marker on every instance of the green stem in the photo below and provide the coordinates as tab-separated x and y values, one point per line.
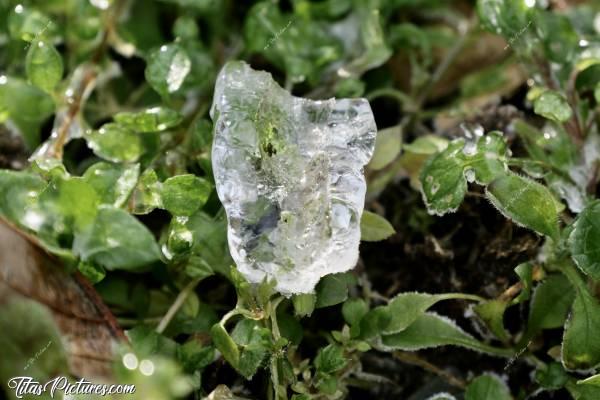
443	67
177	305
461	296
123	322
273	315
574	277
276	335
402	97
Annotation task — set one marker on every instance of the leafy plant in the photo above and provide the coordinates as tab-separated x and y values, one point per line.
109	102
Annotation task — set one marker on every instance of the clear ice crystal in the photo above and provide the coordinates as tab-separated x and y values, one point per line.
289	174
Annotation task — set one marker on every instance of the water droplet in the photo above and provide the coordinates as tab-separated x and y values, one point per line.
471	130
33	220
19	8
434	188
178	70
470	148
3	79
147	367
470	175
130	361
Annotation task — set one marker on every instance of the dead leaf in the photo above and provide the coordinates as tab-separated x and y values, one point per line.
89	331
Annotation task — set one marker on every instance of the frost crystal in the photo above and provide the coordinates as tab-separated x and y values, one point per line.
289	174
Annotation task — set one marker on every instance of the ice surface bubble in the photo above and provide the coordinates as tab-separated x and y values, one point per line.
289	174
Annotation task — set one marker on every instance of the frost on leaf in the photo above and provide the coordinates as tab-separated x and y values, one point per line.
289	174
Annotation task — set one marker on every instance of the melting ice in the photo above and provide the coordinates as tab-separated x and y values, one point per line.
289	174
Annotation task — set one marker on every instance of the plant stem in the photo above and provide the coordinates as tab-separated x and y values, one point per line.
134	321
574	277
414	359
443	66
402	97
272	307
461	296
177	305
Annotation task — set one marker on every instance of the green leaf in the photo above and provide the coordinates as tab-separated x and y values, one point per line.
327	384
304	304
374	228
584	240
583	392
146	342
225	344
549	306
254	341
18	190
507	18
27	24
26	105
301	48
552	105
117	240
184	194
588	78
375	322
442	180
195	356
93	272
581	343
492	313
354	310
552	377
330	359
116	143
44	65
209	241
146	196
593	380
487	387
289	327
526	202
406	308
489	160
332	289
524	271
432	330
113	182
370	49
66	206
426	145
31	341
387	147
558	38
167	68
198	268
155	119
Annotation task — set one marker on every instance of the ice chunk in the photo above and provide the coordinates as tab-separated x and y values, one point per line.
289	174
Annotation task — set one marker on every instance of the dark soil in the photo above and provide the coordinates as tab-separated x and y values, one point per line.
12	150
